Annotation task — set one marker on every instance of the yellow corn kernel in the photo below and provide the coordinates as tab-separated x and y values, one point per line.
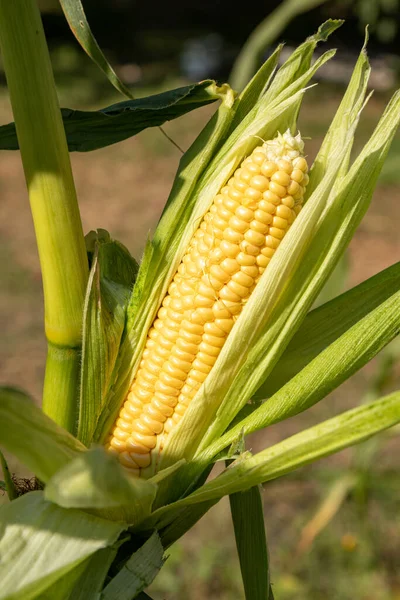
227	255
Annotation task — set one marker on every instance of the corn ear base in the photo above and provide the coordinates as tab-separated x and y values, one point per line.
94	482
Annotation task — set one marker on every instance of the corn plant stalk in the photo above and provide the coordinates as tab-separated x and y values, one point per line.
52	197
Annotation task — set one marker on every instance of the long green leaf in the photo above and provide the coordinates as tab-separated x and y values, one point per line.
248	522
110	284
138	572
327	323
95	480
41	542
90	130
91	582
39	443
63	588
345	430
77	21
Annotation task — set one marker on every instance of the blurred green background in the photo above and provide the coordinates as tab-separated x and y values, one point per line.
350	548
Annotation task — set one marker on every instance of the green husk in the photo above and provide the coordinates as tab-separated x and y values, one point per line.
40	444
40	543
327	323
346	355
95	481
264	34
111	280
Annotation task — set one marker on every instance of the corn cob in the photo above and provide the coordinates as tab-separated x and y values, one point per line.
225	259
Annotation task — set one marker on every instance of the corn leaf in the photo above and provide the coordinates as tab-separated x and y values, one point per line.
138	572
326	324
91	581
111	280
346	355
345	430
75	15
41	542
248	522
95	480
9	486
39	443
64	587
91	130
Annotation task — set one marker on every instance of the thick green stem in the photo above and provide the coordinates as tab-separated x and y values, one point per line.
62	372
52	194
